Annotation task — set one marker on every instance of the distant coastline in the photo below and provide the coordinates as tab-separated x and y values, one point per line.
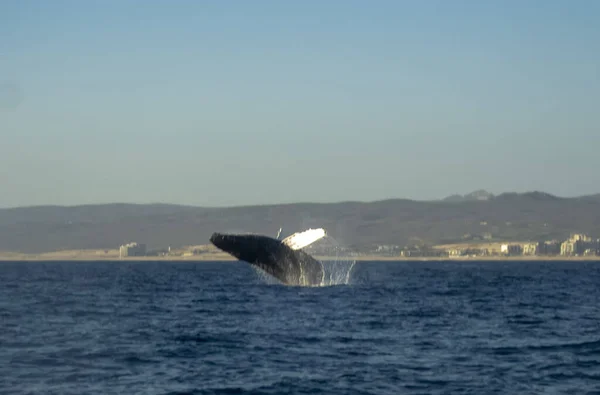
83	255
537	223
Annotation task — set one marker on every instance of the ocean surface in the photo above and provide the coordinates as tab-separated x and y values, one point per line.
221	328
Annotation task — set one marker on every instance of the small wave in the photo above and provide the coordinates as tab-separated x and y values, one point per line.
582	348
590	346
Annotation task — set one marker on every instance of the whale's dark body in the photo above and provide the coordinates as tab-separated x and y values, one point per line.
292	267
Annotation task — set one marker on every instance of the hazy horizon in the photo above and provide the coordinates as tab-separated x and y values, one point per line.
209	104
275	203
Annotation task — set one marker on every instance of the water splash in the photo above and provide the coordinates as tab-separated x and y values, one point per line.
337	263
337	272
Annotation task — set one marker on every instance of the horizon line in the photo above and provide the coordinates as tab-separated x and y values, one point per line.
439	200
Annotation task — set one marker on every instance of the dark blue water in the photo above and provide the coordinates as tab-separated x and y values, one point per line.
218	328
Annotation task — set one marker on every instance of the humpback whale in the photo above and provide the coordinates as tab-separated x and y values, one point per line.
283	259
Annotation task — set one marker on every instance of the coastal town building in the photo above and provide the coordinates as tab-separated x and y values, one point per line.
568	248
132	249
530	248
511	249
549	247
577	245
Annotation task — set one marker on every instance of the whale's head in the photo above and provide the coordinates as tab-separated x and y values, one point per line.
248	247
228	243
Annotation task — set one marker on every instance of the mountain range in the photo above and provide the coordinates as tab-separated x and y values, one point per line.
361	226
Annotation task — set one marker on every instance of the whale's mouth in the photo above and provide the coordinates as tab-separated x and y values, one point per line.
218	239
228	243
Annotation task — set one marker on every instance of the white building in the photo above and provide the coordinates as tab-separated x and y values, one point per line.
132	249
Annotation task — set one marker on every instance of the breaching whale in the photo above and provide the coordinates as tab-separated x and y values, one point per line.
283	259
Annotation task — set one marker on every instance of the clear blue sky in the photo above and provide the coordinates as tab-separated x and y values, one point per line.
225	103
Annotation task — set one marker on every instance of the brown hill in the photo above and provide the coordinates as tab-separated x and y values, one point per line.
359	225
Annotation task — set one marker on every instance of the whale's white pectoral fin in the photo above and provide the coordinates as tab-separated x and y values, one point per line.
302	239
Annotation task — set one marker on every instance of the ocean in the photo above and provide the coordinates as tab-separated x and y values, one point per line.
221	328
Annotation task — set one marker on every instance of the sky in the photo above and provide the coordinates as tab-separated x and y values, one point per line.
220	103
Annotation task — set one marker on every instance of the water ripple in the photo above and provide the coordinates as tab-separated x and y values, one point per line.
218	328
